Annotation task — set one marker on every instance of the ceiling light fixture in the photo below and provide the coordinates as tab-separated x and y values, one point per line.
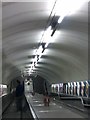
62	9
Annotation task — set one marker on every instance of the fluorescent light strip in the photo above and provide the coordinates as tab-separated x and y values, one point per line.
67	7
40	49
62	8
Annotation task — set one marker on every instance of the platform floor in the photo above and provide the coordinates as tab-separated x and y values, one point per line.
33	105
55	110
74	103
11	111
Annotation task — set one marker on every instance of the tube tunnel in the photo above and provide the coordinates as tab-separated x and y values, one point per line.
45	45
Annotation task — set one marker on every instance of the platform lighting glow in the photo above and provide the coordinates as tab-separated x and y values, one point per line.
30	69
28	65
47	35
32	65
46	39
3	86
62	8
67	7
35	59
46	45
56	36
35	64
40	55
60	19
50	4
39	50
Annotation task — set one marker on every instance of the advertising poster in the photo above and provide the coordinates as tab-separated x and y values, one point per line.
69	88
75	88
64	88
71	85
57	88
87	89
82	88
61	87
78	88
52	88
3	90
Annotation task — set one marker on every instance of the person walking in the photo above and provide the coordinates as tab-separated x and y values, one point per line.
19	95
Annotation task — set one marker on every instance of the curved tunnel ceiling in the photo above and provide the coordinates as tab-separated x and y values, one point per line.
66	57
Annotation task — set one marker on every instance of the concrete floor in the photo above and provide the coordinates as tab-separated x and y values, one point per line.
11	111
55	110
35	108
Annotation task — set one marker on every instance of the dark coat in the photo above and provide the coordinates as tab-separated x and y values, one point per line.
19	90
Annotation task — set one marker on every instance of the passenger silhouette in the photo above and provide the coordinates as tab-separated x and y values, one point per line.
19	95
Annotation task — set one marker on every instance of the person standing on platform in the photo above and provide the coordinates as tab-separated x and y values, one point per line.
19	95
46	95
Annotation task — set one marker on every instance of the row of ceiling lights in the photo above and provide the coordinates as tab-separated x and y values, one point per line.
61	9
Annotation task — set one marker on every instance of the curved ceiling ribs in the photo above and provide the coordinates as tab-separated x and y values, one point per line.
66	57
